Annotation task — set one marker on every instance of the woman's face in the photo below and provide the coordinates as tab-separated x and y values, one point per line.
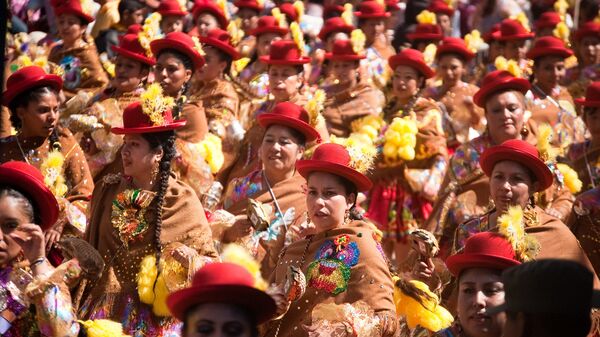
39	118
284	82
478	290
592	121
445	23
504	113
217	320
589	49
406	82
280	150
511	185
129	74
496	49
171	74
372	28
171	23
205	23
327	201
214	67
515	50
139	160
12	216
549	71
451	69
263	44
249	19
344	71
69	28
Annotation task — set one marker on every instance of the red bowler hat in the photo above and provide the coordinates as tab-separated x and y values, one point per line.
222	282
454	45
284	52
333	158
499	80
334	25
590	28
392	5
268	24
343	51
426	31
493	34
513	30
29	180
180	42
289	10
136	121
521	152
332	11
134	29
548	45
251	4
74	7
547	20
207	6
290	115
371	9
130	47
440	7
171	8
412	58
221	40
28	78
483	250
592	96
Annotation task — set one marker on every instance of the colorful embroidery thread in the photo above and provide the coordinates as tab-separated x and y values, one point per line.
331	269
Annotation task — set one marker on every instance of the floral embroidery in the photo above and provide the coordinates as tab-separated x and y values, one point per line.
331	269
71	67
128	213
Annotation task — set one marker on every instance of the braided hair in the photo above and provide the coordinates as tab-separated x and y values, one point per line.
166	142
187	64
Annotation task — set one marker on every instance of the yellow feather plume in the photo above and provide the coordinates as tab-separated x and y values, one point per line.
154	103
425	310
237	254
561	7
211	149
103	328
315	107
474	41
381	3
426	17
239	65
150	31
508	65
523	20
369	126
223	6
358	39
571	62
53	172
299	6
429	54
562	32
571	179
279	17
198	45
159	306
298	37
348	14
236	34
145	279
546	151
511	226
182	5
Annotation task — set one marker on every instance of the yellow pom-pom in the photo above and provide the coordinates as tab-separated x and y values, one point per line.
474	41
103	328
406	153
358	39
523	20
561	6
159	306
425	312
299	6
347	14
237	254
426	17
145	279
546	151
390	151
570	177
315	106
562	32
52	170
211	150
429	53
298	37
369	131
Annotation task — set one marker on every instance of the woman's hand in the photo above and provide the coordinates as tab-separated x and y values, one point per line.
423	270
184	255
31	239
241	228
51	237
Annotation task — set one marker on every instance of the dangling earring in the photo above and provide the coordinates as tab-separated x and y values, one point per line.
524	131
491	205
347	217
529	214
154	172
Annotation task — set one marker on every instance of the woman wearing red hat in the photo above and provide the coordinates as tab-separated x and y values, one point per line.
209	15
249	13
406	184
549	102
477	269
516	173
372	17
490	12
349	96
340	261
587	50
545	24
32	98
426	32
584	157
143	218
465	189
172	16
443	15
77	54
455	95
277	186
514	37
286	78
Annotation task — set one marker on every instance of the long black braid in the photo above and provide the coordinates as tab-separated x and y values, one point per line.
166	141
187	64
